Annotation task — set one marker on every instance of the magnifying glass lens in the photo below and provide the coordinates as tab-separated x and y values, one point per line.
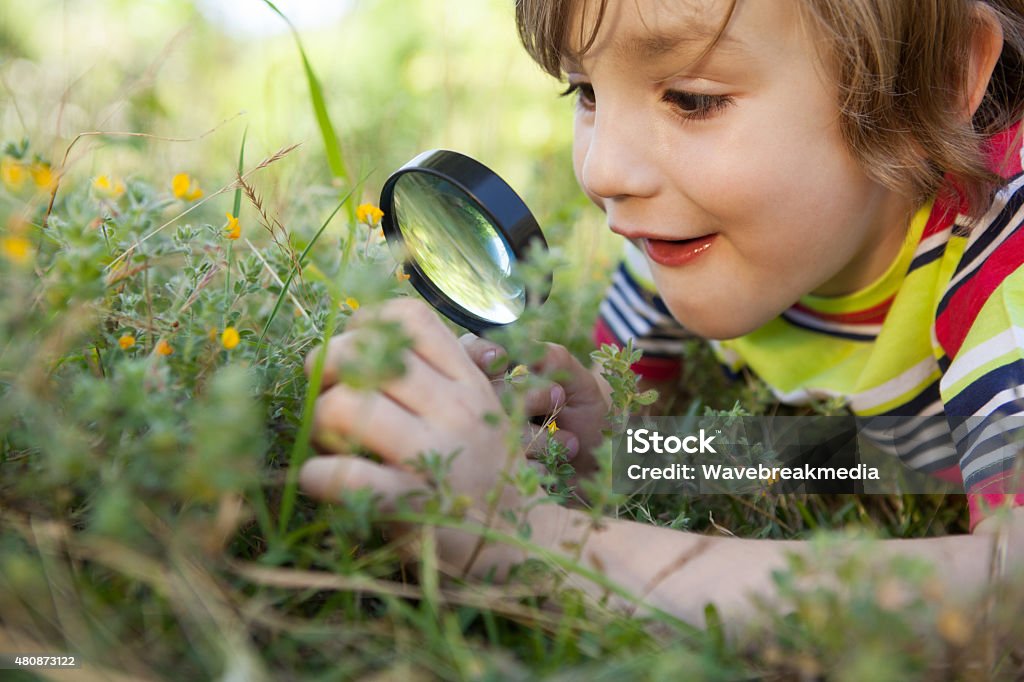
457	247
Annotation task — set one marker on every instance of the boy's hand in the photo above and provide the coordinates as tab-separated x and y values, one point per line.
575	398
442	403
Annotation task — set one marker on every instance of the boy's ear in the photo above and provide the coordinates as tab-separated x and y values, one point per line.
986	46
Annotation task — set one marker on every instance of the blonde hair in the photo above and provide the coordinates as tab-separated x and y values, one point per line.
901	67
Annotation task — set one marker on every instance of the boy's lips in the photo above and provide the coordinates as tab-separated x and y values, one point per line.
669	252
673	253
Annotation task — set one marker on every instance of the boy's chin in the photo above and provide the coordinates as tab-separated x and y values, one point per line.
720	326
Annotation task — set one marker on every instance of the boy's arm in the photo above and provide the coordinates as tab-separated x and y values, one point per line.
443	403
681	572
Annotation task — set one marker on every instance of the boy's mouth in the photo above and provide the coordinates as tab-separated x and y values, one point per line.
677	252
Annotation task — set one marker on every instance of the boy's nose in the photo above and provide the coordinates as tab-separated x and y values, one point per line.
618	158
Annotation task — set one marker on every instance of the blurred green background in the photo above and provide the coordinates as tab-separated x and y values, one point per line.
400	76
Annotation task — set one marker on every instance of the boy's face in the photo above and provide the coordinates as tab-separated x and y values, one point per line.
740	152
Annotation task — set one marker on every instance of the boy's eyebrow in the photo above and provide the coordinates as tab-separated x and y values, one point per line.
654	44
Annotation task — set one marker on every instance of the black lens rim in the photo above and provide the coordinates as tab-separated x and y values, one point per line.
498	202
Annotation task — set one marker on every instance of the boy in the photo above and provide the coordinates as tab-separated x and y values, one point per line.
774	162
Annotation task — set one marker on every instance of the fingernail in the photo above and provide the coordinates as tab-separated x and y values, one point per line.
489	356
573	444
557	396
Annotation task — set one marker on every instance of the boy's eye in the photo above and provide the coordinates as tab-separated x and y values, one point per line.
691	106
584	94
694	105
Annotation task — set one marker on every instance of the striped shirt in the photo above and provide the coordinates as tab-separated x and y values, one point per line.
940	333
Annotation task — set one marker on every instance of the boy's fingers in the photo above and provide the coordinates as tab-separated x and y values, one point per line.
431	339
544	400
325	478
571	374
407	389
487	355
371	419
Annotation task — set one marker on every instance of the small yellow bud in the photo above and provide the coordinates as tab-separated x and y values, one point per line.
954	627
232	228
229	339
164	348
107	187
185	187
126	341
369	214
43	176
352	303
12	172
552	427
17	250
519	371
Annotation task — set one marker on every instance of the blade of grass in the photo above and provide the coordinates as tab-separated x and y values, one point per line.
332	147
235	212
300	450
241	168
295	268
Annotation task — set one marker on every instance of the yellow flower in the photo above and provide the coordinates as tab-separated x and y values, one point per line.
352	303
519	371
229	339
108	187
12	172
186	187
43	175
552	427
954	627
234	230
369	214
164	348
401	275
18	250
126	341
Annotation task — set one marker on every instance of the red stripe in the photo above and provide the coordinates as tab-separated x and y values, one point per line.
873	315
950	474
1003	151
603	334
658	369
989	494
952	325
942	216
649	367
1002	157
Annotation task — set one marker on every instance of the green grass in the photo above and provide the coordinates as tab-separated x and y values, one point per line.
149	522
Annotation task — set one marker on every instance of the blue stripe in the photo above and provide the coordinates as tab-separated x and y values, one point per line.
829	332
973	397
1008	441
927	257
943	439
939	464
915	406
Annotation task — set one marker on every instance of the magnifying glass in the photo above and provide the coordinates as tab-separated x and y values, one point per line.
461	232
